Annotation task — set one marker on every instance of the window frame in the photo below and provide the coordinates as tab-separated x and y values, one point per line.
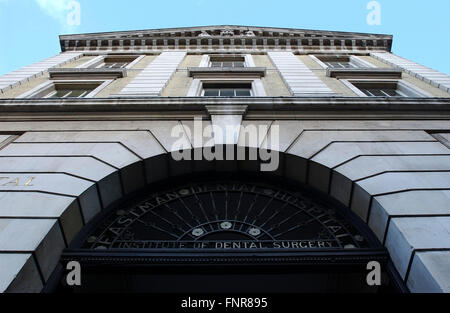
248	59
99	60
233	64
257	90
105	65
353	59
228	83
409	90
197	90
43	90
343	64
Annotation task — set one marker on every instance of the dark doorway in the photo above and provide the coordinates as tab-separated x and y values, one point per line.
226	235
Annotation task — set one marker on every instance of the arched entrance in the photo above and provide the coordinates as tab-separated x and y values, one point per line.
227	232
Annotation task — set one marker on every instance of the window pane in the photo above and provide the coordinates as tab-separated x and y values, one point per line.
367	92
115	64
227	89
381	92
238	64
65	93
77	92
333	64
216	64
119	65
243	93
347	65
211	92
391	92
60	93
227	92
71	93
377	92
227	64
341	64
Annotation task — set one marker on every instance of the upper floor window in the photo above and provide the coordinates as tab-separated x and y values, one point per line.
341	61
67	89
227	90
232	62
381	90
384	88
61	90
113	64
113	61
340	64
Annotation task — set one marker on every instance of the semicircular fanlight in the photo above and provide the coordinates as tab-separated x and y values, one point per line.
225	215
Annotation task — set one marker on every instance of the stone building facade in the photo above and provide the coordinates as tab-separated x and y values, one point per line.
85	130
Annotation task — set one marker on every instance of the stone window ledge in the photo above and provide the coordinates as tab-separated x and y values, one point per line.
88	73
364	73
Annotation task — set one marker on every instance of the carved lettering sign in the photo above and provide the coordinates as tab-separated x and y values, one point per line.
16	181
225	216
224	245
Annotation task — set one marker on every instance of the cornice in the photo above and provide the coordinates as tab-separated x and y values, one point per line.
215	30
224	35
265	107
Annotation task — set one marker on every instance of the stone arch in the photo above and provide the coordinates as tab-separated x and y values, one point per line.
98	194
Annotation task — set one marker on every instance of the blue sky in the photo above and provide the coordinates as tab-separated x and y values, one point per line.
29	29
